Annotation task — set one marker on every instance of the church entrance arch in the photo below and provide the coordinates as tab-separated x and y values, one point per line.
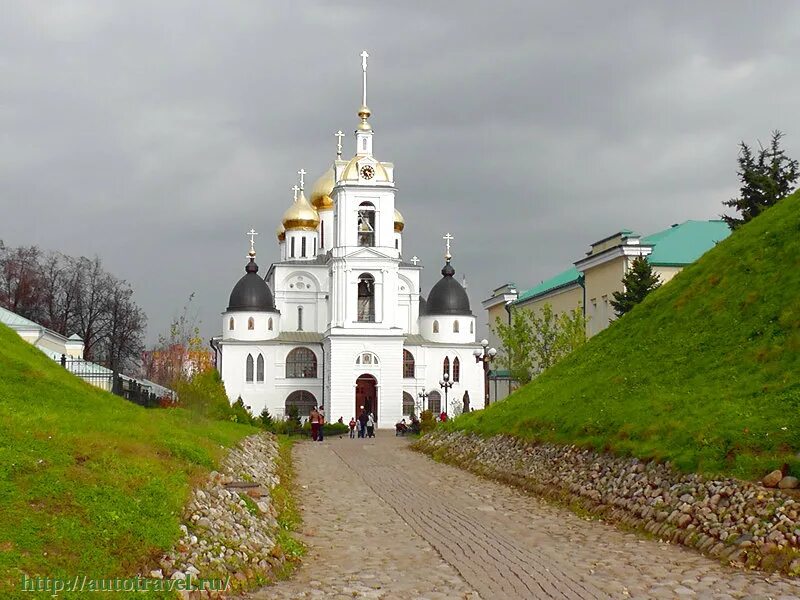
367	395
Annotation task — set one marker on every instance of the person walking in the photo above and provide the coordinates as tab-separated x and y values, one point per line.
370	426
321	412
313	417
352	425
362	423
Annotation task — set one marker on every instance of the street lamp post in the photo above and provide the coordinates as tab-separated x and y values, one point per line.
445	384
423	396
485	355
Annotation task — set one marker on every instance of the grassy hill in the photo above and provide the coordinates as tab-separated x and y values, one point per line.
90	484
704	373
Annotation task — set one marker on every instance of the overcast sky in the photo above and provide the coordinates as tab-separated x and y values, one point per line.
154	134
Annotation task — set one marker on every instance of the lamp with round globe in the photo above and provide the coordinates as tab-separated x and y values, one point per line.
423	397
485	355
445	384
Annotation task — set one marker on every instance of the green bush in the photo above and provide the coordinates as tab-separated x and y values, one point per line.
204	395
335	428
427	421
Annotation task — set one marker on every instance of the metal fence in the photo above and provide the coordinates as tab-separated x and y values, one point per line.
143	393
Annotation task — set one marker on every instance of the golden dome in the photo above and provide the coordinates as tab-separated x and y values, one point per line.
399	221
281	233
321	192
301	215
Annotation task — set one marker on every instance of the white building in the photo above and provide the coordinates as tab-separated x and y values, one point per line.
339	320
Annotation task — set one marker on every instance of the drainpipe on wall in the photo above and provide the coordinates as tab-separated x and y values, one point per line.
322	346
508	310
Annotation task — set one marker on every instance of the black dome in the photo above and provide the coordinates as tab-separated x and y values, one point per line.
447	297
251	293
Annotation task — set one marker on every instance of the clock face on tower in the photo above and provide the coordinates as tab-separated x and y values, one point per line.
367	172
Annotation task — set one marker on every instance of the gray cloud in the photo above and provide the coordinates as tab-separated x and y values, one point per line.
155	134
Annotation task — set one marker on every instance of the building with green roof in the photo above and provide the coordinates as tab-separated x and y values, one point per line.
591	282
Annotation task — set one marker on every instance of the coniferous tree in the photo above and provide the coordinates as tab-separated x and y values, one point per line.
638	281
766	179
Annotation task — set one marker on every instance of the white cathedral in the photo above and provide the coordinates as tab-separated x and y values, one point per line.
339	321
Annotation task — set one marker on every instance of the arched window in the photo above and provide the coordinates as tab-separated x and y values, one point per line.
251	324
248	375
436	327
322	235
301	363
408	404
366	298
269	324
455	326
302	401
303	247
435	402
446	366
456	369
230	323
260	368
299	318
292	255
366	224
471	327
408	365
367	358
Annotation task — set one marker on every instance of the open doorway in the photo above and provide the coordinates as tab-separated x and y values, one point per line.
367	395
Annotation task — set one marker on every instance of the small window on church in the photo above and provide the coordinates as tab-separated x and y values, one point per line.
292	253
366	298
230	324
436	327
303	247
299	318
251	324
366	224
249	369
315	247
446	366
455	326
322	235
397	244
456	370
269	324
471	327
260	368
363	143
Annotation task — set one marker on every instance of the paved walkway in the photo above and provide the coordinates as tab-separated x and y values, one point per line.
382	521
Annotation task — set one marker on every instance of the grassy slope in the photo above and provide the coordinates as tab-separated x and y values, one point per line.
90	483
705	372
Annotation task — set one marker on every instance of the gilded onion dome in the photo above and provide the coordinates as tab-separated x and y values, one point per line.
399	221
280	232
321	192
301	215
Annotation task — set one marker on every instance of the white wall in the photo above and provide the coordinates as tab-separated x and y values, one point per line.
260	329
446	335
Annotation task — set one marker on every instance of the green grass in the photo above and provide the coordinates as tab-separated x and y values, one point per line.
90	484
705	373
283	498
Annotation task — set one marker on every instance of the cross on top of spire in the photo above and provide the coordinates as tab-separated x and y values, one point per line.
252	235
447	238
295	189
414	260
302	173
339	135
364	111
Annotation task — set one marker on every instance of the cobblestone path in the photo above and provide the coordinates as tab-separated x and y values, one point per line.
382	521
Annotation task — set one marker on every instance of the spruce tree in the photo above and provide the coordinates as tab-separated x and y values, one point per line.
766	179
638	281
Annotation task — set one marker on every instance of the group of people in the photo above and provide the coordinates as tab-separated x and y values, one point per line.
365	424
317	419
